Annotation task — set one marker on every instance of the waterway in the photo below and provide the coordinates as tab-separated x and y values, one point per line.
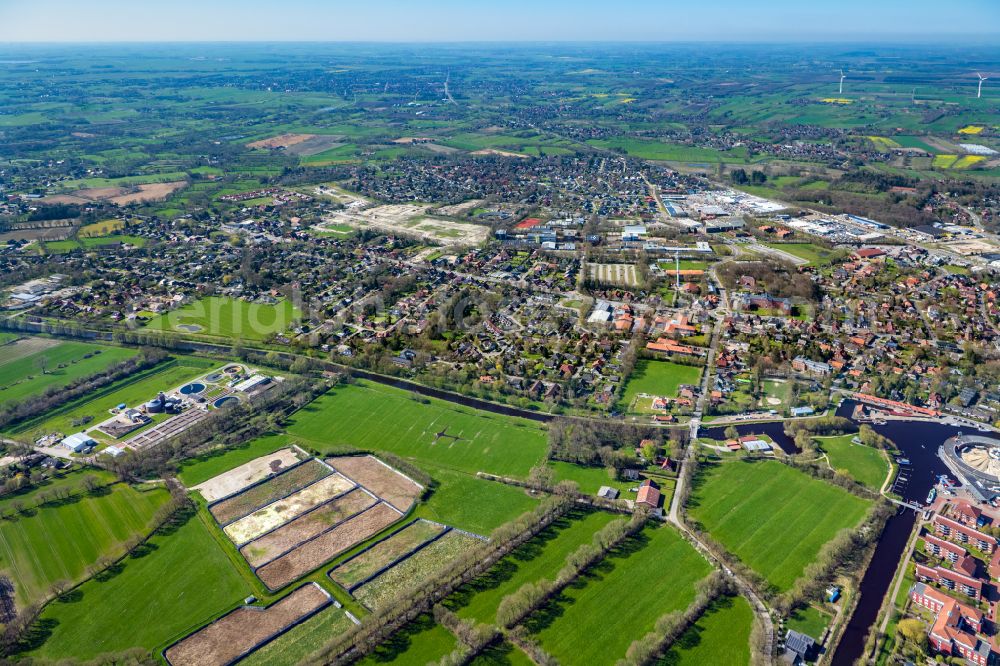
918	441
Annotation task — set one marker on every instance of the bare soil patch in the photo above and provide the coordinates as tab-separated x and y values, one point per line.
149	192
325	547
281	485
376	476
247	474
241	631
281	141
306	526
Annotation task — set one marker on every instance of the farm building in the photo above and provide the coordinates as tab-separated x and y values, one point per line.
649	494
79	442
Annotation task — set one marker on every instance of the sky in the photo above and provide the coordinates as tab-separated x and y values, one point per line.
497	20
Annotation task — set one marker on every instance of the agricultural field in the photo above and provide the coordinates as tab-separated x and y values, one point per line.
197	581
540	558
314	553
274	515
197	470
243	630
425	430
307	526
720	637
620	599
472	504
248	474
32	365
368	563
774	518
228	318
282	485
385	482
382	590
618	275
62	528
657	378
884	143
292	647
864	464
423	641
293	522
814	254
103	228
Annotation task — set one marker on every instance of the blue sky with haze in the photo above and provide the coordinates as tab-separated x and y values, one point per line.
505	20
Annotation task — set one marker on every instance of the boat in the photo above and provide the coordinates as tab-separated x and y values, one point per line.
931	496
903	461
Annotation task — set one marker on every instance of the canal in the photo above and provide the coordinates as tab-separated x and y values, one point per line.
918	441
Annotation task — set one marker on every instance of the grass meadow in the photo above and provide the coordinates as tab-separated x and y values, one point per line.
774	518
424	430
620	599
57	540
228	318
720	637
181	580
864	464
661	378
542	557
21	365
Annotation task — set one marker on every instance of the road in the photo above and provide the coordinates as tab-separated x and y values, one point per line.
760	609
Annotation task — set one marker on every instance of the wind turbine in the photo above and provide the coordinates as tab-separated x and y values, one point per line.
979	94
842	77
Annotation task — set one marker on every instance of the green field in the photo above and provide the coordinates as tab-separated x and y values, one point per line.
720	637
660	378
381	418
809	620
476	505
294	646
773	517
814	254
183	580
27	358
64	246
620	599
540	558
863	463
131	391
421	642
590	479
58	540
228	318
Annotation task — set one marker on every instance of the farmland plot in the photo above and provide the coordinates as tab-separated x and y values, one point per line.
425	563
278	513
247	475
310	555
245	629
363	566
280	486
305	527
392	486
